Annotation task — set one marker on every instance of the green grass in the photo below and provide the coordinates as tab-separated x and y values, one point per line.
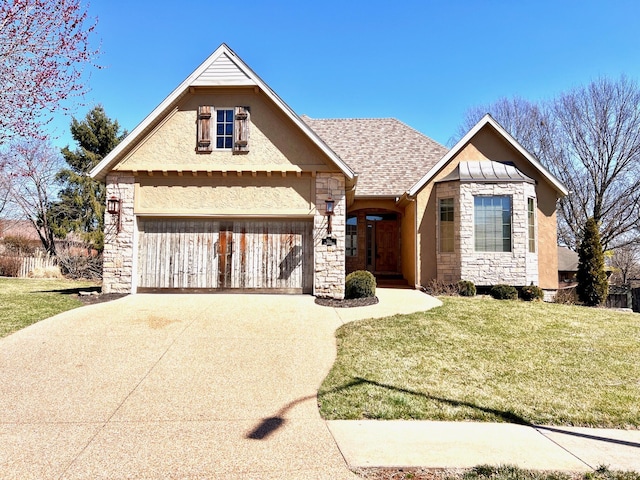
24	301
487	360
488	472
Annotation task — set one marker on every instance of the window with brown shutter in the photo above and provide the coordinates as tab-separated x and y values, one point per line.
241	130
204	129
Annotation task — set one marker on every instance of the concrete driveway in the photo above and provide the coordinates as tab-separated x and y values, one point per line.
175	386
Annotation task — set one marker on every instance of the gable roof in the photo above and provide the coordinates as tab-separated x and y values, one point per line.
488	120
222	68
388	155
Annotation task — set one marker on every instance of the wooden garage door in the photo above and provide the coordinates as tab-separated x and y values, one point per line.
245	255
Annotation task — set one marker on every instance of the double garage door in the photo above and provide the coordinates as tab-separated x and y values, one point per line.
201	255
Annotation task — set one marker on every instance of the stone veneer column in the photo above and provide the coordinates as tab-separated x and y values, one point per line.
329	274
117	269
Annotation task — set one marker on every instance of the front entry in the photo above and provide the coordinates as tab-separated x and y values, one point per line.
382	243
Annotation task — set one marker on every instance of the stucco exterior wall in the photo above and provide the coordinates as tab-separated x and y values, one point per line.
275	143
244	195
118	256
408	244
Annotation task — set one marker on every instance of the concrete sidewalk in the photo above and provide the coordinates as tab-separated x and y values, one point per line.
427	444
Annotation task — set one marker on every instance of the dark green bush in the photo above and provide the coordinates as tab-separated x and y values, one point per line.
593	285
504	292
466	288
360	284
530	293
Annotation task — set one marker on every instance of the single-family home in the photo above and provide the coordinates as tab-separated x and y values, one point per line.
224	187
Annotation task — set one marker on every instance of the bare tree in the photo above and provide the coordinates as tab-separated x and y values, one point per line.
518	116
626	263
30	178
589	138
44	45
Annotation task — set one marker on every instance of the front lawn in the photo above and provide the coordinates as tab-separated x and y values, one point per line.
24	301
488	360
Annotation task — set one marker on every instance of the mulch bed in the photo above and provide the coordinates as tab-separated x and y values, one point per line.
95	297
346	303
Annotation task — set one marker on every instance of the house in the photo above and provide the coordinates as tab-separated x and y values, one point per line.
567	267
223	186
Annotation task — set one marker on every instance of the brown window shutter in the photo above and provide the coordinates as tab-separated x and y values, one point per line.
241	130
204	129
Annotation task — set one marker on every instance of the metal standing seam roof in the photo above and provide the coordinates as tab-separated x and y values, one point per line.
487	171
388	155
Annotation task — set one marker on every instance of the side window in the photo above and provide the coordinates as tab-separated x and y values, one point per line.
352	236
531	223
446	225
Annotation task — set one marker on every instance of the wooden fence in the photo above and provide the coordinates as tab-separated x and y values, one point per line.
25	265
624	297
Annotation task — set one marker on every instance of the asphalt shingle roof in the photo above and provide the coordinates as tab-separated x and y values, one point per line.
388	155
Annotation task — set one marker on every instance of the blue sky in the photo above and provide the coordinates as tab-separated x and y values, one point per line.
423	62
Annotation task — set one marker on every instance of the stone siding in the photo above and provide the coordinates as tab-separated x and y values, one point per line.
117	270
518	267
329	259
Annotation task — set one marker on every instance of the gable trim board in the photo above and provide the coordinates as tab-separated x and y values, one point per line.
221	219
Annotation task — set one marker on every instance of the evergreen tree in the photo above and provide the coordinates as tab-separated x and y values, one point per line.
593	286
82	199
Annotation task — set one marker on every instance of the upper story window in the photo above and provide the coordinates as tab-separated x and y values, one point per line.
446	227
223	129
492	217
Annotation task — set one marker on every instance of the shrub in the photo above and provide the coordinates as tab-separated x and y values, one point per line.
466	288
504	292
76	266
530	293
439	288
10	266
566	296
360	284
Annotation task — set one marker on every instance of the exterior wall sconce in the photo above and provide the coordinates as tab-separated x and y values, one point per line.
330	203
113	208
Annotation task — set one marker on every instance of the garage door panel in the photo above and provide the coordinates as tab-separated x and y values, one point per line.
244	255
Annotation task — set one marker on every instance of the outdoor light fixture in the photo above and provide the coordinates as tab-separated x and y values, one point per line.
113	207
330	203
